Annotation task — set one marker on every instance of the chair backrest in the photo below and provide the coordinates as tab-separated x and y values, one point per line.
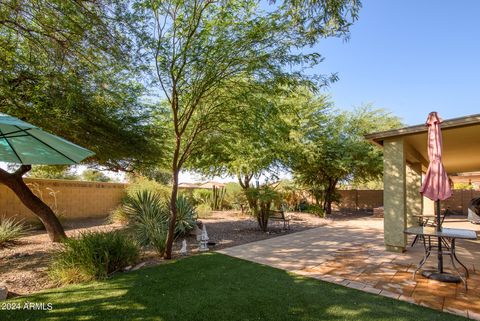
277	214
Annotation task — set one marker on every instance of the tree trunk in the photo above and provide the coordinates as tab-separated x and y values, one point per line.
262	218
173	218
329	195
32	202
173	201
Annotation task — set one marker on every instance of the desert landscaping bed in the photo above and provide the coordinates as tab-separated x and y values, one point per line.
24	265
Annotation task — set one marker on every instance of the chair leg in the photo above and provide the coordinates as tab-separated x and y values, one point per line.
414	240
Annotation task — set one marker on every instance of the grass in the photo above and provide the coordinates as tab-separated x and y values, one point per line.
10	230
215	287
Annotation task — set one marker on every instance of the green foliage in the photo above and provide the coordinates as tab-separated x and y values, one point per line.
335	151
119	216
217	197
140	183
202	196
73	69
11	230
203	210
315	209
238	285
261	143
148	217
261	200
148	214
95	176
375	184
293	196
52	172
186	216
157	174
463	186
93	255
210	56
322	18
235	197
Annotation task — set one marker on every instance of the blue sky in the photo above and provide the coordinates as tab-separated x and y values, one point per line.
409	57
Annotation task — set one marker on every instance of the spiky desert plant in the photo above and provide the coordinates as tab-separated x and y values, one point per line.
11	230
186	216
216	199
93	255
148	215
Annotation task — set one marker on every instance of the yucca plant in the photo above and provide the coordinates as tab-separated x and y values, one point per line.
186	216
11	230
148	215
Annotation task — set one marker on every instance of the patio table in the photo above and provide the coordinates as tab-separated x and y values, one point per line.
447	236
423	220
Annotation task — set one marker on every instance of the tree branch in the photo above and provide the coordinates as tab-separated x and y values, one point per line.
22	170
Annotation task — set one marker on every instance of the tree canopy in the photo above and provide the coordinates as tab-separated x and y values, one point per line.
222	76
205	52
71	68
336	151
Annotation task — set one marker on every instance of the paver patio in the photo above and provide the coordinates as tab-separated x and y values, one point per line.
352	253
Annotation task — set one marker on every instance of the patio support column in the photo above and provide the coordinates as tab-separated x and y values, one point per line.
414	202
394	194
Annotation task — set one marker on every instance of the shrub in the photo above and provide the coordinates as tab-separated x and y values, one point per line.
148	216
118	215
93	255
186	216
188	194
262	198
140	183
235	197
11	230
315	209
204	210
202	196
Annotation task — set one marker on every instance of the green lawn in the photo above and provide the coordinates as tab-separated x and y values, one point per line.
216	287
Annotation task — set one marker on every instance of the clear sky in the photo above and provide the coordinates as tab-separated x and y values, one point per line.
410	57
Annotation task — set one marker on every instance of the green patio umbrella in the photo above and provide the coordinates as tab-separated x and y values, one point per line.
24	143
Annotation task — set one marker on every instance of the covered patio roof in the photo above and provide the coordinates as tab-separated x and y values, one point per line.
405	161
461	143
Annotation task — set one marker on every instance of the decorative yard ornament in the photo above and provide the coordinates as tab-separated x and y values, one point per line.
183	250
204	239
198	233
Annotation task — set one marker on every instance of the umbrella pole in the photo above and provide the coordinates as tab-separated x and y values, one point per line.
439	228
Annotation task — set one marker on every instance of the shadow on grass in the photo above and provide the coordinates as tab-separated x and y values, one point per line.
215	287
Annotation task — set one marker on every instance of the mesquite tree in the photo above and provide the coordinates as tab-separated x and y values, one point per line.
70	67
14	181
204	49
335	151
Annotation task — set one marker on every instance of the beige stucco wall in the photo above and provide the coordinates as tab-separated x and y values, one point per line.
394	194
72	200
359	200
413	201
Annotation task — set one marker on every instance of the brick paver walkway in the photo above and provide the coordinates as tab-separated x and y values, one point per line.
351	253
